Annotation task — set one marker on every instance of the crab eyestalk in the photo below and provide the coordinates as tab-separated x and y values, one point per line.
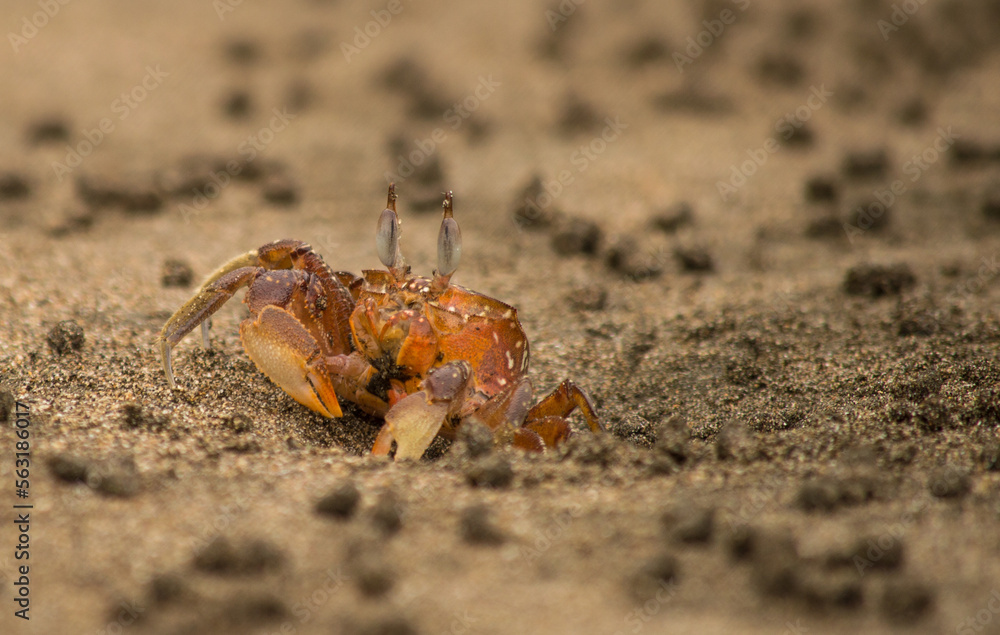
387	237
449	246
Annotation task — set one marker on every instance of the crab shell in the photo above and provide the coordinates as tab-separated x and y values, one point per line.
408	328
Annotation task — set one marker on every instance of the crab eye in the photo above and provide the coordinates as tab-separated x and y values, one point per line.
449	241
387	237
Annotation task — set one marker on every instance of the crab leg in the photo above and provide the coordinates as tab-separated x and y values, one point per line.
561	402
209	299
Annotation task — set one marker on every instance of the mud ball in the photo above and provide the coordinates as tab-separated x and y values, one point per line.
655	576
740	541
168	588
824	591
244	52
672	439
341	502
253	557
238	104
800	136
474	439
115	479
50	129
903	454
694	259
674	217
821	189
691	525
299	95
14	186
372	575
477	528
968	152
280	189
176	273
819	494
634	429
775	564
949	482
905	601
74	219
492	471
578	117
869	214
990	456
990	207
135	416
825	227
875	281
69	468
238	422
626	258
912	112
532	207
884	552
734	441
387	514
865	164
647	49
136	194
65	336
588	297
576	236
780	68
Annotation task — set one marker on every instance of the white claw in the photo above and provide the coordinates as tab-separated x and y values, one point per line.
414	423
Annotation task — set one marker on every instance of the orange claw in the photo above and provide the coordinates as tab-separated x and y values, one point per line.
284	350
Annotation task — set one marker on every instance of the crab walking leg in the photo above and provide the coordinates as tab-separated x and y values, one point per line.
195	311
217	288
415	420
283	349
562	401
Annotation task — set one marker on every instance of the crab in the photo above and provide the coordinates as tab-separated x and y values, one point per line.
423	354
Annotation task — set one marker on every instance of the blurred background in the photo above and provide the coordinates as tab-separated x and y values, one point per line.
776	219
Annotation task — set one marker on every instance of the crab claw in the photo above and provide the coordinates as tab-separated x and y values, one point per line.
414	422
285	351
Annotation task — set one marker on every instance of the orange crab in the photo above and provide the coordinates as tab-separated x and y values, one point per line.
423	354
